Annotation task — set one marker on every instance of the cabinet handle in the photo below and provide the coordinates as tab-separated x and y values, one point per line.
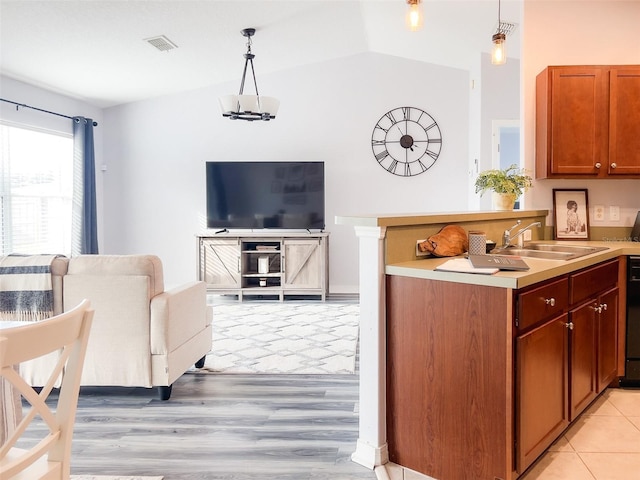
569	325
550	301
614	165
598	165
603	306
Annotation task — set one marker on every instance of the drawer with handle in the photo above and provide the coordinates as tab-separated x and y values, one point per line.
542	303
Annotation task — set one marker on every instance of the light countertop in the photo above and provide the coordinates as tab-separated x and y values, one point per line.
540	269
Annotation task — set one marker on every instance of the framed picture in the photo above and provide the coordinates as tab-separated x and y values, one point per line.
571	214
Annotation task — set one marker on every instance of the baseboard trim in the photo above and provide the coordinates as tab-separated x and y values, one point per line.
369	456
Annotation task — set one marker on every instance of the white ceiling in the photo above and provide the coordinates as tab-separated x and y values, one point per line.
94	50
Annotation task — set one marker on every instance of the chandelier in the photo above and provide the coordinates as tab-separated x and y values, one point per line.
249	107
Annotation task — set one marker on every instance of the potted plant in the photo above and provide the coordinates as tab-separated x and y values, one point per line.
507	185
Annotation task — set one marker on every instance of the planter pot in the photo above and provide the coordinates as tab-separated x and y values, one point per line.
503	201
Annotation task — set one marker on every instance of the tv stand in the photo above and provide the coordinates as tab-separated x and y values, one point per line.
268	264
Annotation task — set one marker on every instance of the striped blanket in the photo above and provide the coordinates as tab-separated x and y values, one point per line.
25	287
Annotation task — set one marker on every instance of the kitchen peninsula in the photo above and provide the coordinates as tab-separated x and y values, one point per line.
449	370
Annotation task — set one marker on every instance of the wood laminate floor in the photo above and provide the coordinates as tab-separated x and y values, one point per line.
223	426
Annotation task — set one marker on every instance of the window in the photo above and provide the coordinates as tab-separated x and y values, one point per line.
36	184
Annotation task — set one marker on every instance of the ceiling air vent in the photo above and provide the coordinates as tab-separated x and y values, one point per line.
161	42
505	27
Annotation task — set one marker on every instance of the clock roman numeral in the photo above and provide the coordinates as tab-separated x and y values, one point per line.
377	142
390	116
392	167
382	155
407	169
385	130
426	129
435	140
433	155
406	112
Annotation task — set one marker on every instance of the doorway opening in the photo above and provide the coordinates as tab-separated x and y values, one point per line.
505	147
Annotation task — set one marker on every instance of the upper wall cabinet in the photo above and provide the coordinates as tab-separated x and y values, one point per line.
588	122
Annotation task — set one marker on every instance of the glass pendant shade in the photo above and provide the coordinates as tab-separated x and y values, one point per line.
414	15
249	107
498	52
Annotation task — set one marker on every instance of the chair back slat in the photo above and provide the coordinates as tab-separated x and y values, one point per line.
49	455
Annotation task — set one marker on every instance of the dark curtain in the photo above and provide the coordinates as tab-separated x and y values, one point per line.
84	222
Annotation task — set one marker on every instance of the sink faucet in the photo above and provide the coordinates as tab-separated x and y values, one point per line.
507	238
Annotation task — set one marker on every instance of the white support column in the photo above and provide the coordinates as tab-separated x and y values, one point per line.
371	449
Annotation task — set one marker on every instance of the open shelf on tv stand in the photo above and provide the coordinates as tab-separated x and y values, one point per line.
265	263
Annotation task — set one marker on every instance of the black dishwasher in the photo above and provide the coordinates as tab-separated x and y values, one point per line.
632	363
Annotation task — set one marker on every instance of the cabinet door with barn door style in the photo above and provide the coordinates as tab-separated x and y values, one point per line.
219	262
304	267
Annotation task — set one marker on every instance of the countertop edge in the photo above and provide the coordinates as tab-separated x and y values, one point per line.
540	270
399	219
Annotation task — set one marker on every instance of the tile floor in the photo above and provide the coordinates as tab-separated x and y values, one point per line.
603	444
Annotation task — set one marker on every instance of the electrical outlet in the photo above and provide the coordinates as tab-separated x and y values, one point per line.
526	236
598	213
614	213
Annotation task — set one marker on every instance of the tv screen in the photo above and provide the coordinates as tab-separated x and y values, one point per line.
247	195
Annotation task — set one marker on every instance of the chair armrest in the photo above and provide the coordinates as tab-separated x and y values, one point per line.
178	315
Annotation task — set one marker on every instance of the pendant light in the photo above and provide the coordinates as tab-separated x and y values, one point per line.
414	15
498	52
249	107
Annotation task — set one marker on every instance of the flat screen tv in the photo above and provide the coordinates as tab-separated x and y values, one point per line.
262	195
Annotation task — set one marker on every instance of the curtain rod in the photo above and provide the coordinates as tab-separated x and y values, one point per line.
18	105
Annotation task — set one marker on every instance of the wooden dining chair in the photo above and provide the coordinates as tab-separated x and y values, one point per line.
45	453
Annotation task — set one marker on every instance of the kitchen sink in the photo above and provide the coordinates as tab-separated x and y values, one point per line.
548	251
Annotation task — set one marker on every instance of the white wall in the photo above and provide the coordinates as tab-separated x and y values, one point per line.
500	100
598	32
157	149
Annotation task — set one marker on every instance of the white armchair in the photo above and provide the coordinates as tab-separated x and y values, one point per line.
142	335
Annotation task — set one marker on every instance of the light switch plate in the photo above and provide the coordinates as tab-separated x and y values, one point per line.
614	213
598	213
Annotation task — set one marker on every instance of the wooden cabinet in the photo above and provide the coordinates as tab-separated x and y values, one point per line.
542	386
582	358
265	265
624	121
493	374
566	353
607	335
449	379
588	122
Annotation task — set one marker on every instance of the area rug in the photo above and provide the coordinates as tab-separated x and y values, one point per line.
284	337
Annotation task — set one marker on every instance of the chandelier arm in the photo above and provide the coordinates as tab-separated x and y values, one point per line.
255	83
244	75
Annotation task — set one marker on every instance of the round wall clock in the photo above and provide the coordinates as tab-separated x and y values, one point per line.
406	141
